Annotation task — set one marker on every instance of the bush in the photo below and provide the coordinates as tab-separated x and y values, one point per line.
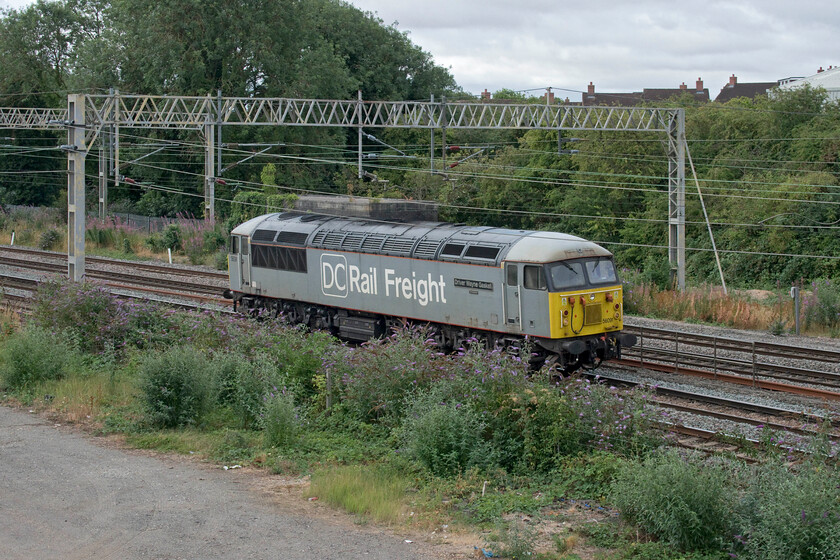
377	377
31	356
177	387
548	424
683	503
444	436
49	239
786	515
252	380
97	320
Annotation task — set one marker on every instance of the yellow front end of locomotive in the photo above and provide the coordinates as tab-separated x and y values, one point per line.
586	312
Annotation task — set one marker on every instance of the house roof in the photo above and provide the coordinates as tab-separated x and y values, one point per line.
755	89
637	97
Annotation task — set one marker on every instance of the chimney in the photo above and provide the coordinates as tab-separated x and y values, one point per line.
485	95
820	70
550	97
683	86
733	81
699	84
590	89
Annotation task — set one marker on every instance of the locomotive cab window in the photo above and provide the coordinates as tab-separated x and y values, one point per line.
601	271
512	277
534	277
566	274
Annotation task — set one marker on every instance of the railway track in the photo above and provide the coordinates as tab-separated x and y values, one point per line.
817	372
736	411
153	268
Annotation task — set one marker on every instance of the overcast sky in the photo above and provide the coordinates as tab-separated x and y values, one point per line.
618	45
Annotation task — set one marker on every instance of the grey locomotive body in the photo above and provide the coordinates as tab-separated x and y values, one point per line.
357	278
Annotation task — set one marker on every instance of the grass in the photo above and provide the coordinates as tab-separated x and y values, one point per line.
373	492
81	399
707	304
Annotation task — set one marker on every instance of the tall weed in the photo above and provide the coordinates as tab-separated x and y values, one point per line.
685	504
785	515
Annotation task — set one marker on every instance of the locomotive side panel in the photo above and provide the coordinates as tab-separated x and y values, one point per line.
417	289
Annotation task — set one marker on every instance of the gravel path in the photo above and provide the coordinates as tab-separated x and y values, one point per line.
64	496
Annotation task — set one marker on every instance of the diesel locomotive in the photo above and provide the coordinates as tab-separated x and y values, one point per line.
360	278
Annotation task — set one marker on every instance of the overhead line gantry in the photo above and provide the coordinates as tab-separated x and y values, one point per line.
89	117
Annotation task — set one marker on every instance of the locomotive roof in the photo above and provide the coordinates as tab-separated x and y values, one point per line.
421	240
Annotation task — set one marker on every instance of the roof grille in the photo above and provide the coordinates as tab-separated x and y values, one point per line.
353	241
398	245
373	243
318	238
333	240
426	249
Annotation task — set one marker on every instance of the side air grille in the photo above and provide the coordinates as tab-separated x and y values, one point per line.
318	238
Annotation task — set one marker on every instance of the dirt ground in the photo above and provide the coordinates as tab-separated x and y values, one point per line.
64	494
67	494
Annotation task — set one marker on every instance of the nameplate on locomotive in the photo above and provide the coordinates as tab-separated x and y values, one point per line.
474	284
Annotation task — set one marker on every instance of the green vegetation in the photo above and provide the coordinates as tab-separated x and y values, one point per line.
414	437
767	166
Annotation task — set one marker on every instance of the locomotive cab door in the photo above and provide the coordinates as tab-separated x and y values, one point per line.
513	304
234	268
239	265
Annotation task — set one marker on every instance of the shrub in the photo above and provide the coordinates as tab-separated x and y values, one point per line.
787	515
49	239
444	436
31	356
683	503
172	237
97	320
547	424
377	377
177	386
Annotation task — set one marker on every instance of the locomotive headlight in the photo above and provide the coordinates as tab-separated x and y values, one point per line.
617	314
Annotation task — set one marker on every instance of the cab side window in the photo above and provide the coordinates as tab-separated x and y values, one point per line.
534	278
512	276
234	244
